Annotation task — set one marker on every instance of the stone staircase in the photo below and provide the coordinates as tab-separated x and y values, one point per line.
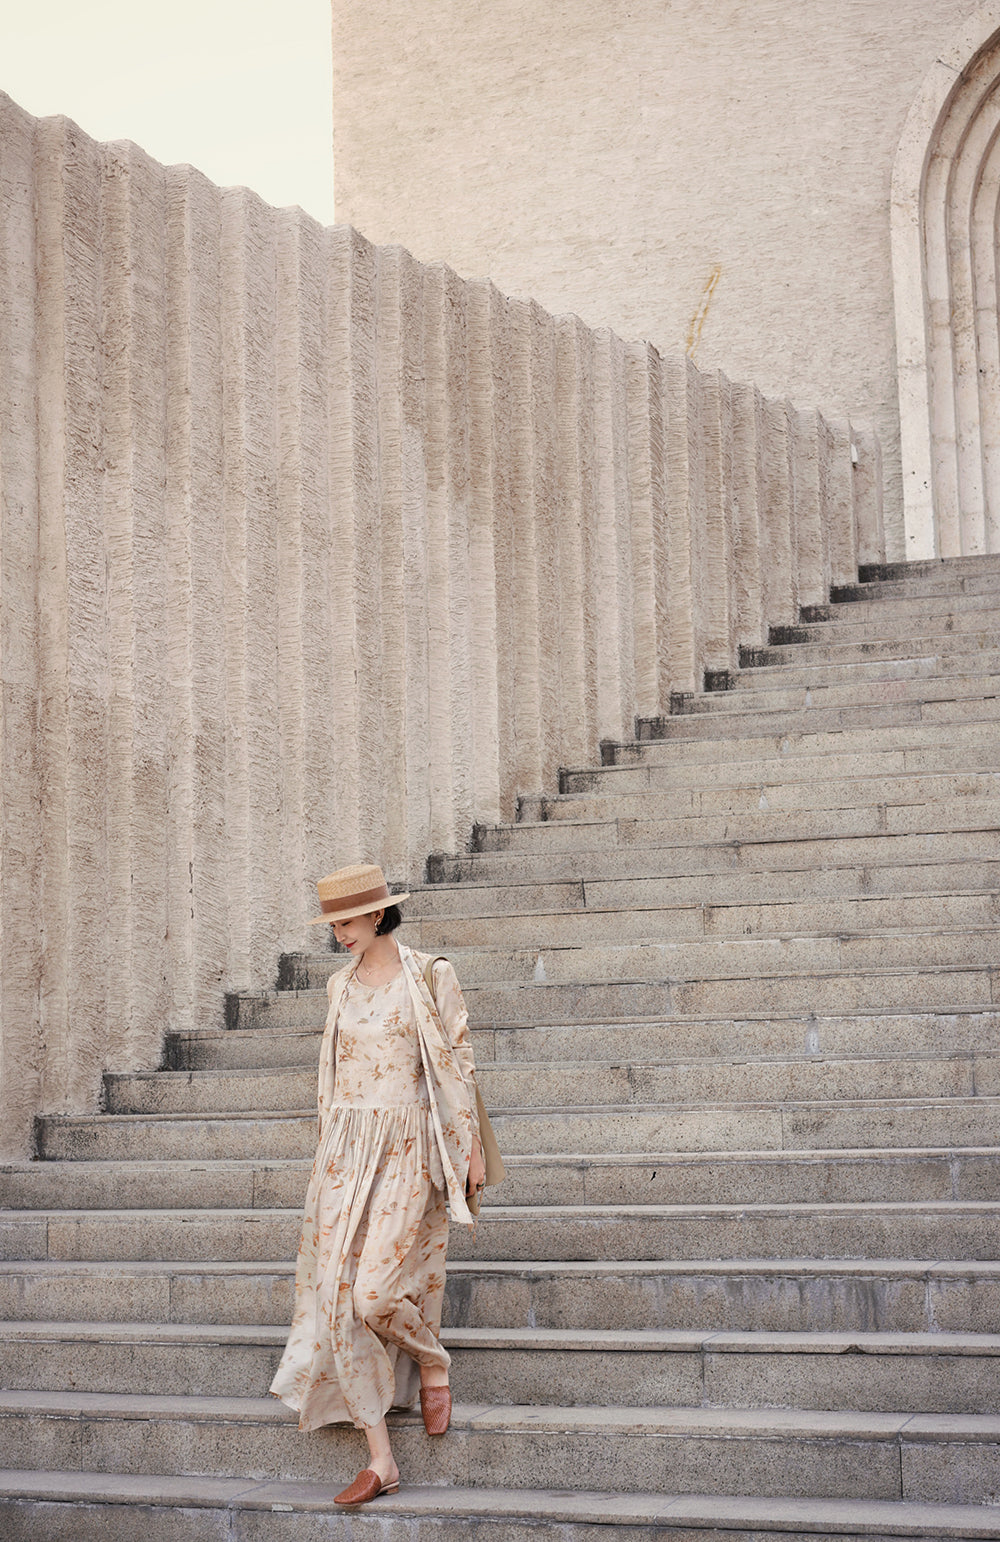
736	997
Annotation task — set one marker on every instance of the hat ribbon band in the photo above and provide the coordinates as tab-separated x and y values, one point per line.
351	901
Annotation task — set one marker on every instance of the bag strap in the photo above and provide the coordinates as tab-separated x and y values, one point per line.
428	973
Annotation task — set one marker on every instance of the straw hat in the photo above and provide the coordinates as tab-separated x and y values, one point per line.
354	891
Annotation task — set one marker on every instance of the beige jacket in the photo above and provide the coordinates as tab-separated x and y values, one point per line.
449	1068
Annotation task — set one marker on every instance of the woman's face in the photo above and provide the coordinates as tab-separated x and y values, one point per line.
357	934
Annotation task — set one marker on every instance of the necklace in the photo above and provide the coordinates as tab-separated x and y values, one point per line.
377	976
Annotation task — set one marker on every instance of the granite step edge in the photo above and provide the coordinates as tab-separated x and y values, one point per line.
875	1519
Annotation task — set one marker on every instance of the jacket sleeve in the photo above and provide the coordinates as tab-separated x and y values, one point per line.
455	1020
327	1058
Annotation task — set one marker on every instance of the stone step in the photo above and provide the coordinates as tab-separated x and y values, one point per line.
748	1177
933	1230
868	917
930	1458
868	1372
971	745
874	620
927	1229
136	1185
932	659
629	1128
753	694
816	648
469	898
931	586
745	720
715	958
814	681
942	989
272	1088
860	922
914	1033
214	1049
172	1137
937	612
558	1083
841	1124
660	766
778	1295
755	797
932	656
928	584
96	1503
569	1178
172	1290
883	1034
90	1507
766	822
812	856
930	570
918	663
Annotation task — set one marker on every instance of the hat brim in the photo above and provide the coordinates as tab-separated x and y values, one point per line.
359	910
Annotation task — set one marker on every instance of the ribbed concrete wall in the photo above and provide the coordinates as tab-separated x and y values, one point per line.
311	552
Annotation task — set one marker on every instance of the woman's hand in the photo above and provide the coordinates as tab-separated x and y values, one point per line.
477	1169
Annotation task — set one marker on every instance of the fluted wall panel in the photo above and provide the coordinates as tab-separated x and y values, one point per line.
749	503
312	553
866	491
714	527
778	535
195	645
578	620
23	866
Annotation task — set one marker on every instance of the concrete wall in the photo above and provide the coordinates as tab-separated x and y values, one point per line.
714	178
308	553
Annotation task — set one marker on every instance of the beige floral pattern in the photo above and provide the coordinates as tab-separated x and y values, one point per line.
396	1118
378	1062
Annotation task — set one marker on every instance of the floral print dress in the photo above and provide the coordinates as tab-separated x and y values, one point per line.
369	1281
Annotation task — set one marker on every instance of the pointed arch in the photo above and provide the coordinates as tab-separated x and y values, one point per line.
945	219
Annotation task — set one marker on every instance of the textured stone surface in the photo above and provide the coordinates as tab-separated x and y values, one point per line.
870	1372
312	553
682	205
749	1452
82	1507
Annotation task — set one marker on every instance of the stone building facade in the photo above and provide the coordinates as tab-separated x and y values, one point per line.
804	195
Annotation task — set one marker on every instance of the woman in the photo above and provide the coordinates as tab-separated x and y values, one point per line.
398	1138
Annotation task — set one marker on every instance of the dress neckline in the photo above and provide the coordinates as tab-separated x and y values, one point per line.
384	983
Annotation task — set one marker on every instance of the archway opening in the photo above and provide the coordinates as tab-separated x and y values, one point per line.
946	239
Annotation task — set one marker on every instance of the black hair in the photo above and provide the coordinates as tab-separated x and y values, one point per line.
393	917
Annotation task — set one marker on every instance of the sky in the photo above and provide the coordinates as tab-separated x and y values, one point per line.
241	91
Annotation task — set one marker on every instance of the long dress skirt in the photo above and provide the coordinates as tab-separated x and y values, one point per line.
369	1280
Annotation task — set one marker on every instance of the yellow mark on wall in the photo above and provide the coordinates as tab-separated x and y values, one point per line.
698	319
